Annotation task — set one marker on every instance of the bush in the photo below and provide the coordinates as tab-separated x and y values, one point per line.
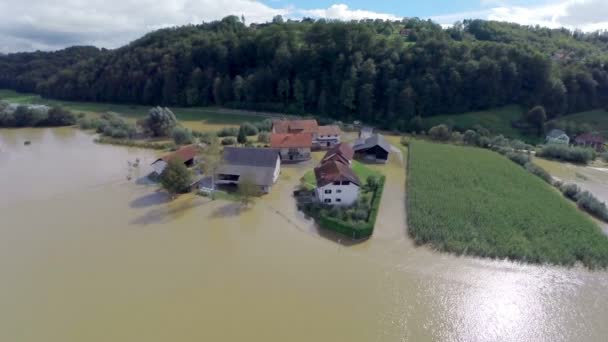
567	153
228	141
58	116
228	132
182	136
586	201
159	122
264	137
264	126
405	141
540	172
483	142
457	137
372	182
7	119
26	117
249	129
604	156
470	137
440	132
570	190
519	158
205	137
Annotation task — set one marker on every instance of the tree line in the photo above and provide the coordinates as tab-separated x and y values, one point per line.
383	72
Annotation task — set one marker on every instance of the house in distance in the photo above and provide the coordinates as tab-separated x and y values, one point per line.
323	137
187	154
374	149
261	166
292	147
592	140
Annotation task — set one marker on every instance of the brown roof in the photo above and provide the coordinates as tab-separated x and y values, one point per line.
329	130
184	153
333	171
342	152
299	140
295	126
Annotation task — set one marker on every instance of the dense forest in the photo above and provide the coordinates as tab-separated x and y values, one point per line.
385	72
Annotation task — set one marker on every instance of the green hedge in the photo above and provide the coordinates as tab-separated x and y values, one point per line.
355	230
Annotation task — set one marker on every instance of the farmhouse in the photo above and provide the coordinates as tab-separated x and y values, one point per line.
187	154
593	140
373	149
337	183
342	153
557	136
322	136
259	165
292	147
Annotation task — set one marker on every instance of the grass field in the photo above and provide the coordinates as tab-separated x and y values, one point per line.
197	118
498	121
598	119
473	201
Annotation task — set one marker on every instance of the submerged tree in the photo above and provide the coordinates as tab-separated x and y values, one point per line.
159	122
176	177
247	189
211	159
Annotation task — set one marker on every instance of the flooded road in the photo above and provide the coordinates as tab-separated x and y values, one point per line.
87	255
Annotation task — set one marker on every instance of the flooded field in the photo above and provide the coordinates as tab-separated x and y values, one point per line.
88	255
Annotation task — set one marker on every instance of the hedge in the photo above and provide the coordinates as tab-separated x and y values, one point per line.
353	229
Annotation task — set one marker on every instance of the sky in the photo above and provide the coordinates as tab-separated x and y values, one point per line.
29	25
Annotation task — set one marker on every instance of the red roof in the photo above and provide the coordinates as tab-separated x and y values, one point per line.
333	171
329	130
184	153
300	140
589	138
342	152
295	126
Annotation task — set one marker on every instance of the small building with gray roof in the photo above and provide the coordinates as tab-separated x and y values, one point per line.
261	166
374	149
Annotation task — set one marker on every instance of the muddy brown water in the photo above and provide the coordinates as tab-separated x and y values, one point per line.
87	255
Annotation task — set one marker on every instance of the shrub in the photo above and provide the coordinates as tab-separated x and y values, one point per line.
567	153
228	132
540	172
570	190
499	140
228	141
264	137
181	136
519	158
405	141
482	131
440	132
26	117
205	137
58	116
7	119
159	122
470	137
264	126
457	137
483	142
604	156
585	200
372	182
249	129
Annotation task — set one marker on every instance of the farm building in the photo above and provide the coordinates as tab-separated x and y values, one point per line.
187	154
292	147
259	165
322	136
337	183
373	149
342	153
593	140
557	136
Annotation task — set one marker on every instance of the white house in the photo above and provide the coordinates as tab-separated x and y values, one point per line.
337	184
326	136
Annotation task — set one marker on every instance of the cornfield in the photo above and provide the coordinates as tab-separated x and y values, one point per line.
473	201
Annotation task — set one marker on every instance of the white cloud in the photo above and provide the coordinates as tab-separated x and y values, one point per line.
343	12
586	15
52	24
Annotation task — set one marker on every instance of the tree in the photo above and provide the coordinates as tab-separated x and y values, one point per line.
58	116
241	138
440	132
176	178
159	122
246	190
211	159
181	135
537	117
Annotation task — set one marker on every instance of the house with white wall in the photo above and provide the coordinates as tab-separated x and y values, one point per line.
337	183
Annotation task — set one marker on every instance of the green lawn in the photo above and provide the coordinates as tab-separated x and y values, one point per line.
474	201
597	119
361	170
206	115
497	120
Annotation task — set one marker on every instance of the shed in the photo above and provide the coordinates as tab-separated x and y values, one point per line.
373	149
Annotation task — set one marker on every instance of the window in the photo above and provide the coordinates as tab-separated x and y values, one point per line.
327	200
345	183
338	191
338	200
328	191
337	183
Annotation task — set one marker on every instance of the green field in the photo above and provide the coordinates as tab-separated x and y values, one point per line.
473	201
598	119
200	118
497	120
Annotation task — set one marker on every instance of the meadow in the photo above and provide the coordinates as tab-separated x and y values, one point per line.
196	118
597	119
473	201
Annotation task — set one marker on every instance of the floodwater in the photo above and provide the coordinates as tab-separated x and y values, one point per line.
88	255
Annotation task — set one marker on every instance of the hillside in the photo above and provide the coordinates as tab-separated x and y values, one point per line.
378	71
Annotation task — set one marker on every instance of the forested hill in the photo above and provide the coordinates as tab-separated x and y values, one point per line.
378	71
